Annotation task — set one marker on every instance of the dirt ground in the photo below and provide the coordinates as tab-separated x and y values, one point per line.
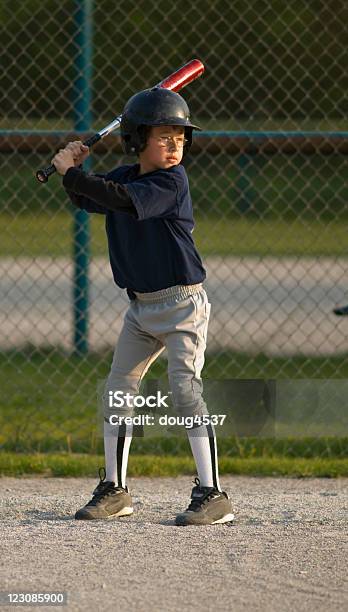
285	551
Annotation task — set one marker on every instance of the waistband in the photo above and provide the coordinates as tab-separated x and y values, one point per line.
183	291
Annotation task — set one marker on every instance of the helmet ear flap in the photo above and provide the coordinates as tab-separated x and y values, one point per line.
128	146
143	134
135	143
188	136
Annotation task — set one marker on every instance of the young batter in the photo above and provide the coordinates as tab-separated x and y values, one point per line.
149	224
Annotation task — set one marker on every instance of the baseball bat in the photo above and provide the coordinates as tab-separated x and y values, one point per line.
175	81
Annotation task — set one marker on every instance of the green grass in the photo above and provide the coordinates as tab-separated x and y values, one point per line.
49	401
50	234
64	464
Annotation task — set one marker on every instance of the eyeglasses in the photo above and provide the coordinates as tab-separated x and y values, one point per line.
166	141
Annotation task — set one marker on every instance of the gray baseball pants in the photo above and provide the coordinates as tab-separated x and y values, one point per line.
176	319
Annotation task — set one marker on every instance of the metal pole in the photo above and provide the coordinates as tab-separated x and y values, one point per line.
82	122
244	182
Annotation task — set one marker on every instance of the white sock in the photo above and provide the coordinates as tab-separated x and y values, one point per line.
117	440
203	445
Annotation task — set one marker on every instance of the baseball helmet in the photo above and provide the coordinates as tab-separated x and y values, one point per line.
151	107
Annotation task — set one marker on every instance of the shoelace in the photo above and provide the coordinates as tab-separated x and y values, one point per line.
104	489
107	490
197	502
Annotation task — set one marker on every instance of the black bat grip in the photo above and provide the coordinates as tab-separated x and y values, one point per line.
92	140
43	174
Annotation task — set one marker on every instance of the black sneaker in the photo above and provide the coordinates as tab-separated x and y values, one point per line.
108	501
208	506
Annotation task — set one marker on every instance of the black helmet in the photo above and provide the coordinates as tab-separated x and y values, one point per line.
156	106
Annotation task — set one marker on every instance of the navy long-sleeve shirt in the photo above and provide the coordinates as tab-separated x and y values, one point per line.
149	224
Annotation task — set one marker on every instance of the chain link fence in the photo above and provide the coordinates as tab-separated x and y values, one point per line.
268	178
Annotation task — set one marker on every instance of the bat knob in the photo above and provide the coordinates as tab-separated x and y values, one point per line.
41	176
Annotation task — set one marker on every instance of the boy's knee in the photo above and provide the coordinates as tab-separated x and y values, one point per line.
187	396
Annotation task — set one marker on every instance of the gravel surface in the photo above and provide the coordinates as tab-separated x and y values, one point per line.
286	550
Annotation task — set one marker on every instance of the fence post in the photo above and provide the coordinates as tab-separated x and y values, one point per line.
244	183
82	122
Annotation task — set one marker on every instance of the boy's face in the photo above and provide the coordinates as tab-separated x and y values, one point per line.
164	148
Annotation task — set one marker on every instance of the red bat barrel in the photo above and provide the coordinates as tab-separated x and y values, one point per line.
187	73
